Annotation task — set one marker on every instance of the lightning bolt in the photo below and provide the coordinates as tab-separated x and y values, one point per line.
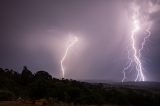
136	56
72	42
139	67
148	34
126	68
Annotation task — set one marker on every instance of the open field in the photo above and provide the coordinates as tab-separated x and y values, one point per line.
13	103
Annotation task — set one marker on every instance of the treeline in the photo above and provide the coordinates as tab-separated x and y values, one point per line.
42	85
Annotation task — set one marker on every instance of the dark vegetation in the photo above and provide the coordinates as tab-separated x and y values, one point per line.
41	85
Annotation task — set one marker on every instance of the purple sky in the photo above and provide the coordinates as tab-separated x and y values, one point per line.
35	32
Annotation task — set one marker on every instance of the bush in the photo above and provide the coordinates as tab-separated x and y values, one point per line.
6	95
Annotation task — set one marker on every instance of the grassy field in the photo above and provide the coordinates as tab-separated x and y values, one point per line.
12	103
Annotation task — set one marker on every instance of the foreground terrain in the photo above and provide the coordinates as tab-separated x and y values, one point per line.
41	88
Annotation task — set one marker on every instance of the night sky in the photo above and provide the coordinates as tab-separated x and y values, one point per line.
34	33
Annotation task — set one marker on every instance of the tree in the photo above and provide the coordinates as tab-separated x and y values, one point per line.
42	75
26	76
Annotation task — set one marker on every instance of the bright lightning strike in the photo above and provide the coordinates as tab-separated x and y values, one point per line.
139	67
72	42
148	33
136	56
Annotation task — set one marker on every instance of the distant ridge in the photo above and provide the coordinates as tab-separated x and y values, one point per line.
130	84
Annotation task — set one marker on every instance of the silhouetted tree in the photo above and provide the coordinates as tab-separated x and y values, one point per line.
26	76
42	75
